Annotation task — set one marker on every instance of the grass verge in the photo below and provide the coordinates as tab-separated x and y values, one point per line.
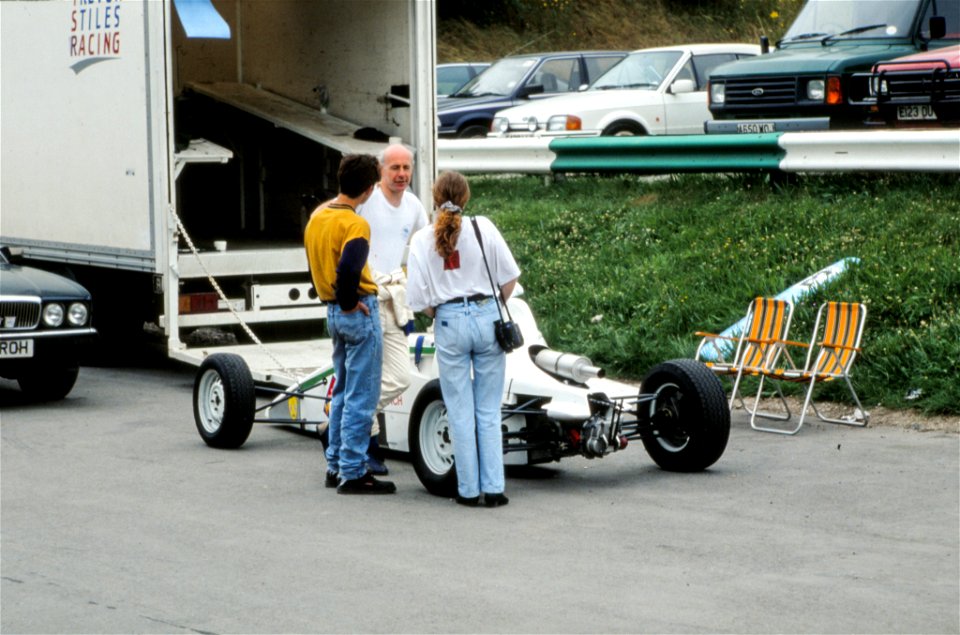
625	270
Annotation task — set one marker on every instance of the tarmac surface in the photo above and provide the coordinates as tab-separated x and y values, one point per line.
116	518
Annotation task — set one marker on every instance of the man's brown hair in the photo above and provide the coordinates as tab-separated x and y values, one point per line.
357	172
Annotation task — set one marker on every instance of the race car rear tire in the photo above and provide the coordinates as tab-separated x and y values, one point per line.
690	418
431	443
224	400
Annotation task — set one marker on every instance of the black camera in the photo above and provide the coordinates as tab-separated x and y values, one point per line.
508	335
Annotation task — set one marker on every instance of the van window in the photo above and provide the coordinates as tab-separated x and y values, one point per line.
555	75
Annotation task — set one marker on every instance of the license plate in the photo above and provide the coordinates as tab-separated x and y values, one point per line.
755	127
921	112
10	349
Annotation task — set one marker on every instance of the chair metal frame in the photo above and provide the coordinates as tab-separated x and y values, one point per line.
836	346
759	345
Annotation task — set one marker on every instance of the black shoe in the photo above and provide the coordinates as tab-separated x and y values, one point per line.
376	467
332	479
495	500
469	502
366	484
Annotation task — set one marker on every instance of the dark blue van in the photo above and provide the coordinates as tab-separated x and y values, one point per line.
515	79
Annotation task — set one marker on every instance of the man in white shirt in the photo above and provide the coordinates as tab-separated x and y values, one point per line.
394	214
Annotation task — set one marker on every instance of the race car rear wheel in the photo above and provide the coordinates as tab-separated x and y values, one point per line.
689	416
224	401
431	443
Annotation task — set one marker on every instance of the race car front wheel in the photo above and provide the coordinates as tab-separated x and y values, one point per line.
431	444
690	421
224	401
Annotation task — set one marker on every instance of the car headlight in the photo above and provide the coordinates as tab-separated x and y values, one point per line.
816	89
500	124
564	122
718	93
53	315
77	314
531	123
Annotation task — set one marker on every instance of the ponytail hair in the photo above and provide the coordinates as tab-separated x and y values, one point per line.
450	195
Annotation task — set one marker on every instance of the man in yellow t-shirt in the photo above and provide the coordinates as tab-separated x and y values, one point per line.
337	241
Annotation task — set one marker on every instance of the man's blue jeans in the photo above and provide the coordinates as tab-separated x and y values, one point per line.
357	359
464	336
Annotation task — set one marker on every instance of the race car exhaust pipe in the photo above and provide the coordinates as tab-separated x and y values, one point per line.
575	367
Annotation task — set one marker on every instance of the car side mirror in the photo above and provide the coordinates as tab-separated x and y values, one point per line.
938	27
682	86
530	89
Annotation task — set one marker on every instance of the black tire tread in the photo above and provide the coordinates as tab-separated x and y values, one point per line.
239	401
708	435
445	485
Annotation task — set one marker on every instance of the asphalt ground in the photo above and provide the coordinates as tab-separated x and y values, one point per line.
116	518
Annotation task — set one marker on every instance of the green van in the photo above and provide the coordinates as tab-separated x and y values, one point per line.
814	79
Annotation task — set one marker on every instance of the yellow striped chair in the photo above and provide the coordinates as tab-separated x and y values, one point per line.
833	347
759	344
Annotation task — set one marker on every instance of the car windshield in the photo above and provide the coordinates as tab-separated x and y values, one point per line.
3	259
638	70
851	18
500	79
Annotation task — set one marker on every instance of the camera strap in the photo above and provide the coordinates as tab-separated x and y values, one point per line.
497	291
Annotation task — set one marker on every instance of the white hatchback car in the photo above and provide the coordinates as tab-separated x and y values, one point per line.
651	91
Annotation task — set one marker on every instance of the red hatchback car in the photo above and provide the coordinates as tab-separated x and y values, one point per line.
919	89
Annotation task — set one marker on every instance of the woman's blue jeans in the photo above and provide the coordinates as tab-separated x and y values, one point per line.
465	341
357	359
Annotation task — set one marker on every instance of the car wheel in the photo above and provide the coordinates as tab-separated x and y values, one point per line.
689	416
50	384
431	443
224	401
473	131
624	129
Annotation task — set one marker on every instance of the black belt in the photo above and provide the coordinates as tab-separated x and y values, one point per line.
476	297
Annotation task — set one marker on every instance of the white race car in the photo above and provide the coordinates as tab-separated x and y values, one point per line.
554	405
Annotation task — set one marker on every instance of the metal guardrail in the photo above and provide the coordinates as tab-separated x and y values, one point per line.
872	151
523	156
867	150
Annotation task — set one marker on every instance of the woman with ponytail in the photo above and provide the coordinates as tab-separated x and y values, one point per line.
447	280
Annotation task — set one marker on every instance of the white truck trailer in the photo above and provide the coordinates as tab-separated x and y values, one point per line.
136	130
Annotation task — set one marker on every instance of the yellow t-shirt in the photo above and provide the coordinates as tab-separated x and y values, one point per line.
337	240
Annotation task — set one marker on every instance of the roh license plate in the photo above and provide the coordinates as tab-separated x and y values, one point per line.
16	348
755	127
921	112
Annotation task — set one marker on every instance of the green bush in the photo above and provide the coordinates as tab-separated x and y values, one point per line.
625	270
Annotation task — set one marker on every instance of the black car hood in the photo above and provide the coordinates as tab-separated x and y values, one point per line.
456	104
19	280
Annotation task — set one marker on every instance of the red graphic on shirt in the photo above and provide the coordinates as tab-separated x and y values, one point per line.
452	261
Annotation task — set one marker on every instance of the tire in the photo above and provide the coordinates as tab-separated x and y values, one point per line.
473	131
690	418
624	129
224	401
50	384
431	446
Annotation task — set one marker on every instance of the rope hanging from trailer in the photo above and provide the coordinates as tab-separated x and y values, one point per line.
223	296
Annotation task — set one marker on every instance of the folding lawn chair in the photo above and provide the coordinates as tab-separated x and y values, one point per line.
758	346
837	348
